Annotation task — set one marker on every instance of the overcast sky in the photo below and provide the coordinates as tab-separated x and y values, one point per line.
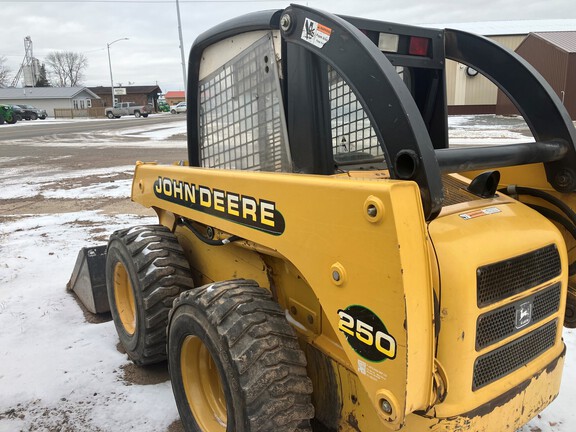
152	55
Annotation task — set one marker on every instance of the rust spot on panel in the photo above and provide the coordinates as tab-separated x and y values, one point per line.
353	422
512	393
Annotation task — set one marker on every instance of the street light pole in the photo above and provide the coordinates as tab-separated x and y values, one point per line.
181	47
110	65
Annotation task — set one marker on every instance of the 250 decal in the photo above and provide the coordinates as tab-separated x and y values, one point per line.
366	333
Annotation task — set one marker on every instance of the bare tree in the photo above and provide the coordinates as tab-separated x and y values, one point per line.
4	72
67	67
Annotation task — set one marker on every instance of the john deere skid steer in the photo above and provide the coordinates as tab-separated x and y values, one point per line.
324	261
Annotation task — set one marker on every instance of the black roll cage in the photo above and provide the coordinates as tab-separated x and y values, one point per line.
411	124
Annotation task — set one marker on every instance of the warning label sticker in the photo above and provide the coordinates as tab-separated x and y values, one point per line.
316	34
478	213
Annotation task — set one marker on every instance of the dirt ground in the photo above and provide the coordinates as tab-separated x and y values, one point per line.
36	157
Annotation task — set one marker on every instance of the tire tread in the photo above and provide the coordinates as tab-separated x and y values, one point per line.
266	355
163	273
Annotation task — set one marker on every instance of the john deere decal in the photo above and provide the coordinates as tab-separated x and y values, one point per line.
259	214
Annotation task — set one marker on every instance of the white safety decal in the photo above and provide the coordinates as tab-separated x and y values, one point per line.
316	34
477	213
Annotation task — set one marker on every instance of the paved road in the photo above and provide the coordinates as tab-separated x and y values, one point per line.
38	128
53	157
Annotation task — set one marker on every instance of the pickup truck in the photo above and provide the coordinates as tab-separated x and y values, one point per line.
128	108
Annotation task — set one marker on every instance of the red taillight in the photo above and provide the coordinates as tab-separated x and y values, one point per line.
418	46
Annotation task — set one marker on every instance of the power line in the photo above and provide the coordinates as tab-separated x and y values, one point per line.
142	1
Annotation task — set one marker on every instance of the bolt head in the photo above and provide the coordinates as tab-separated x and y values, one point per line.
372	211
385	406
335	275
285	22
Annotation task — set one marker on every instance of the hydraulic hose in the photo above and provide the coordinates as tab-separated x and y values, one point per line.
520	190
569	224
205	239
552	215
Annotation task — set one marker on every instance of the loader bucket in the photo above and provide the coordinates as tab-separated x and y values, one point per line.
88	279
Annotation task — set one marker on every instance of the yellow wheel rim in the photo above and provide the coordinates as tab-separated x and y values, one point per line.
202	385
124	297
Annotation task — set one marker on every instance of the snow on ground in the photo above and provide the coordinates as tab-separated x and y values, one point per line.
487	130
155	135
59	372
23	182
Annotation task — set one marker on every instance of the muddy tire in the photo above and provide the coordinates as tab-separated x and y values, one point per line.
145	271
235	362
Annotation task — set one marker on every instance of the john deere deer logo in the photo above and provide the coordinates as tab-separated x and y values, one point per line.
523	315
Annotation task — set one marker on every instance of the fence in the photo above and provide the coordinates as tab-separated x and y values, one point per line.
78	113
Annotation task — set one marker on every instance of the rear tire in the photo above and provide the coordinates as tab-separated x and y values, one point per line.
145	271
137	114
33	116
235	362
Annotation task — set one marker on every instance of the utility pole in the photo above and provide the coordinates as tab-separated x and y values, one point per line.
110	66
181	46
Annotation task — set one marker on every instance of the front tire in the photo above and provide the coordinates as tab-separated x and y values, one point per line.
235	362
110	115
145	271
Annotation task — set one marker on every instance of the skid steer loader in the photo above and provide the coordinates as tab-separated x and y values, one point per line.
325	261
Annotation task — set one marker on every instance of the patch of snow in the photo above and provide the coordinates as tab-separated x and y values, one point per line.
23	181
52	361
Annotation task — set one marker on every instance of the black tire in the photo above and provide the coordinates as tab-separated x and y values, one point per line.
145	271
110	115
42	117
570	314
145	115
33	116
12	120
173	112
137	114
1	119
235	362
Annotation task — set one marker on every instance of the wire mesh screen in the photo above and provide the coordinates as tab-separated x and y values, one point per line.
242	123
352	134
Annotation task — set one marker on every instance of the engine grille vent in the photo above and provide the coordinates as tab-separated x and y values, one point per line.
506	359
505	278
455	191
510	319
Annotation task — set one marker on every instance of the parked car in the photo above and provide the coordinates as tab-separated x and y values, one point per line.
33	113
178	108
7	114
18	112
